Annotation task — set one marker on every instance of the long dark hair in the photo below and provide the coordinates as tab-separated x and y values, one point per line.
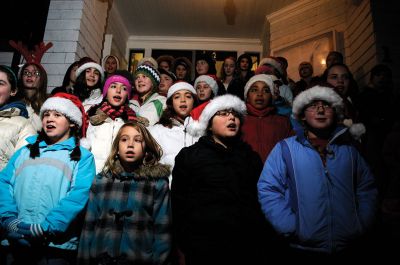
81	89
40	96
67	76
169	112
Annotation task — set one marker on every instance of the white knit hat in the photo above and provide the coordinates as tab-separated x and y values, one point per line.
224	102
94	65
180	86
268	79
210	81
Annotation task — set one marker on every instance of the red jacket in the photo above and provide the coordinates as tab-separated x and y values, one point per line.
262	129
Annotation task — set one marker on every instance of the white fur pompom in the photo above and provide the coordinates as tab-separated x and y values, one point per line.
357	130
196	129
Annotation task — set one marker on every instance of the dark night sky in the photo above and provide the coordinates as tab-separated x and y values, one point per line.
22	20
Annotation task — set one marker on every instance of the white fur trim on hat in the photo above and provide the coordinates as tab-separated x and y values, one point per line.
85	66
274	63
198	128
261	77
64	106
180	86
317	93
210	81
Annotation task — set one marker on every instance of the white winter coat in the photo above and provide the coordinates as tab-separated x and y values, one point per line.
172	140
34	119
100	138
94	98
13	132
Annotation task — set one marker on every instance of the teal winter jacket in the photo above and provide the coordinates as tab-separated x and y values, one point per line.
50	190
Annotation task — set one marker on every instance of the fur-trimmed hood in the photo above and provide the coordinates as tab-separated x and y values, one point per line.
144	172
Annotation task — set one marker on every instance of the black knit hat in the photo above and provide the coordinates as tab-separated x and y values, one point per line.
210	61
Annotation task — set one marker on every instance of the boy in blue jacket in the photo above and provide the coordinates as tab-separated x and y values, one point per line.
315	188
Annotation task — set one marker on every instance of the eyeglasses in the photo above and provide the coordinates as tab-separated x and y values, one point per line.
226	113
29	74
314	107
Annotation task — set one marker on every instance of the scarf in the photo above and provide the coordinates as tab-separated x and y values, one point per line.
99	113
19	105
124	111
259	113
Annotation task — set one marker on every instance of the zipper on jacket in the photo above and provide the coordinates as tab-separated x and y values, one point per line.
331	244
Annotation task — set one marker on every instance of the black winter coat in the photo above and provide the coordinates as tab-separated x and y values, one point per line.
214	196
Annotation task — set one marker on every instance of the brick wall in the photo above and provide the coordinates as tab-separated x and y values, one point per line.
76	29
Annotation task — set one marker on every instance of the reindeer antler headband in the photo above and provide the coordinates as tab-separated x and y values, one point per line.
31	56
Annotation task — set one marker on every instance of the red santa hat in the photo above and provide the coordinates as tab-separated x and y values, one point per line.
272	61
70	106
199	126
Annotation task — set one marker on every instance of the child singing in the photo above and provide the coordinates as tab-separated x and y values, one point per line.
45	186
128	218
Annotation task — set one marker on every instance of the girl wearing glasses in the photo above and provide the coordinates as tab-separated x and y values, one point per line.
316	189
32	81
215	210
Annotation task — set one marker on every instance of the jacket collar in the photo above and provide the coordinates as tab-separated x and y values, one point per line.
67	144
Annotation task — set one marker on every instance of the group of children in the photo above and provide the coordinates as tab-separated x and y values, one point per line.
97	186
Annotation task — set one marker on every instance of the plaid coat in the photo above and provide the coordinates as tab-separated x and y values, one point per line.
128	219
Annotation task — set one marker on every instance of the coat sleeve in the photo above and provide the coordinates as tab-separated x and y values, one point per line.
60	217
87	235
273	193
180	189
366	193
162	222
8	206
26	131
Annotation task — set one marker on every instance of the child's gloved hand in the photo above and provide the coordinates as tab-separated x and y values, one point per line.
30	230
17	239
13	235
10	224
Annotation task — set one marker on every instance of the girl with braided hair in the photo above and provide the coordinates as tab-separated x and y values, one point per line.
45	187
